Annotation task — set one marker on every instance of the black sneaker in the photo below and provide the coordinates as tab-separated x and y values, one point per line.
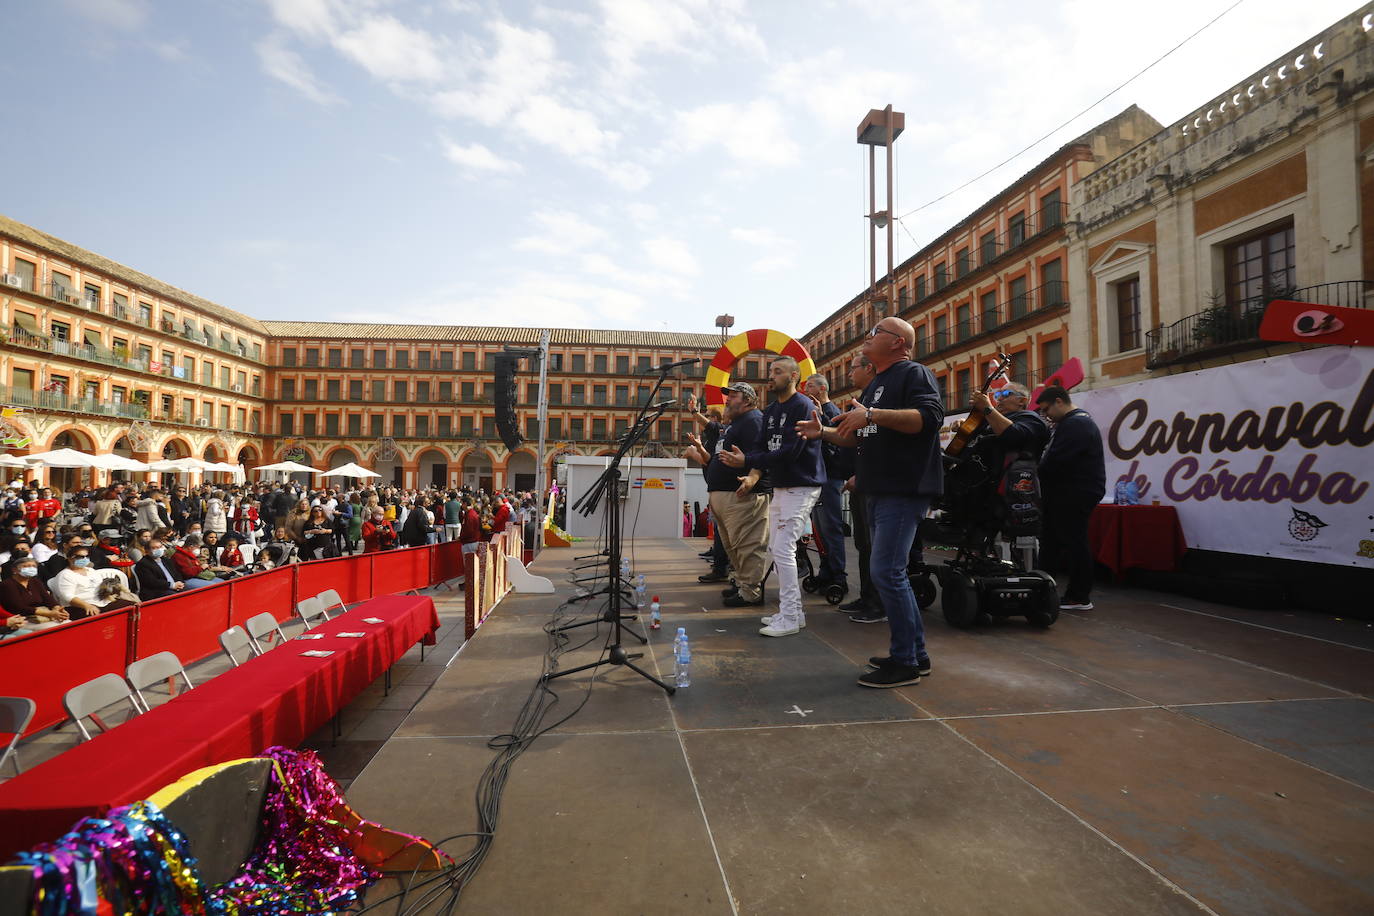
869	616
732	590
885	661
892	676
858	604
738	600
713	576
706	554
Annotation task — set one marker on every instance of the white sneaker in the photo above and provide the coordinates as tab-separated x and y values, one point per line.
1086	606
779	630
768	621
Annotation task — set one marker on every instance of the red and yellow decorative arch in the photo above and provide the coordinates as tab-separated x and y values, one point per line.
718	373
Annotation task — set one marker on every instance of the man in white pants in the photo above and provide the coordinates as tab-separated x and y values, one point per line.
797	471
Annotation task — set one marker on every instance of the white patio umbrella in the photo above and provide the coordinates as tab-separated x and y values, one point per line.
225	467
62	458
290	467
179	465
12	461
350	470
118	463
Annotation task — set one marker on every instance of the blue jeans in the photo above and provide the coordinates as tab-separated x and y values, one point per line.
829	520
198	583
892	521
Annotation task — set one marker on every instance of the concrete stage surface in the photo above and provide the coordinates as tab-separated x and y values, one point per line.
1155	755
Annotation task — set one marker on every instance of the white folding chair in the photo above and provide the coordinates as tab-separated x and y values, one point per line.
261	625
15	715
233	640
89	698
331	600
148	671
311	612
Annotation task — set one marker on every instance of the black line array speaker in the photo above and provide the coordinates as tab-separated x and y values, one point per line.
507	426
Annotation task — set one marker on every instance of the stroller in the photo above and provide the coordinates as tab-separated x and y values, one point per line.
992	573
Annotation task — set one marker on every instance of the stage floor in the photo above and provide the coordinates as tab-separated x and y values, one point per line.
1155	755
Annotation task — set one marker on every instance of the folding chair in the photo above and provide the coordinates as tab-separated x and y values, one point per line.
89	698
15	715
311	612
331	600
234	639
261	625
148	671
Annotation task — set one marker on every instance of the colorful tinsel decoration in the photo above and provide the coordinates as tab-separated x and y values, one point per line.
134	862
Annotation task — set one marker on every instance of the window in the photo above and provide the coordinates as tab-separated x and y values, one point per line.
920	350
962	390
941	333
400	391
335	358
579	362
331	424
188	365
378	359
941	277
331	390
422	392
579	394
398	426
1260	268
577	428
599	395
423	358
312	356
90	295
489	391
903	299
446	427
469	393
532	393
1016	230
446	359
598	428
1051	210
1051	355
309	422
225	374
532	428
622	365
286	423
26	270
988	304
489	362
469	360
465	427
1053	289
622	395
621	428
920	287
422	427
288	356
665	430
987	247
642	364
257	352
355	424
312	390
1128	314
1019	299
599	364
402	359
488	427
355	389
61	285
555	394
446	392
962	263
61	330
378	391
555	427
356	359
255	421
555	362
377	425
963	317
257	385
188	410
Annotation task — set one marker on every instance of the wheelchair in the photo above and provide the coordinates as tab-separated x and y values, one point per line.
993	573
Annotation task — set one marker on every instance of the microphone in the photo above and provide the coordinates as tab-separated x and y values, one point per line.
666	366
663	405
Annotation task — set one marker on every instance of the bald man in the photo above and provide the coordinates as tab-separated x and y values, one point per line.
899	471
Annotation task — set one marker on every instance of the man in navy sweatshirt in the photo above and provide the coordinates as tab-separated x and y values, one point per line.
1073	479
797	471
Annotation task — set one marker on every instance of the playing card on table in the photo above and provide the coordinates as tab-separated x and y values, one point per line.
351	635
373	620
311	636
318	653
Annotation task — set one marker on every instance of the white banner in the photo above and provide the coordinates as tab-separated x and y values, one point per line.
1269	458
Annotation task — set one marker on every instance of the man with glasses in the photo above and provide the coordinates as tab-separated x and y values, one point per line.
899	470
1073	479
1013	426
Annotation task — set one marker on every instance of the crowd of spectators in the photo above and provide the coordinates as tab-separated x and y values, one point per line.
68	556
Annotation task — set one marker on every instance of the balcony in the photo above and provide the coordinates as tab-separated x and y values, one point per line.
990	250
1221	329
61	400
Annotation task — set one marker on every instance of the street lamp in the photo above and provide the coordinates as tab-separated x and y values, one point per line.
879	128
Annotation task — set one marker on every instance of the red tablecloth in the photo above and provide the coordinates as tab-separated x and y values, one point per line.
279	698
1136	537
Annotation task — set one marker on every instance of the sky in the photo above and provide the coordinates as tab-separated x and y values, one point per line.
630	164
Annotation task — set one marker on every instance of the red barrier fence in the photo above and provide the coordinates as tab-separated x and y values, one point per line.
45	664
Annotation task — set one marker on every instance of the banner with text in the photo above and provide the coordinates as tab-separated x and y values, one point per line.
1270	457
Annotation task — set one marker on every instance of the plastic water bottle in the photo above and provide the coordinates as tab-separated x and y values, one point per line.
655	618
624	567
677	640
682	670
640	589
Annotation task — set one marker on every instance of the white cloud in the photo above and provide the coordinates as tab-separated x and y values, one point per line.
635	28
174	52
754	133
311	18
672	255
776	252
477	158
840	92
285	65
570	130
393	51
125	15
561	232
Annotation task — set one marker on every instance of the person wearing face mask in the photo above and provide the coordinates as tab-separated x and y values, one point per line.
18	549
159	576
23	595
139	548
45	544
78	586
15	530
60	561
42	508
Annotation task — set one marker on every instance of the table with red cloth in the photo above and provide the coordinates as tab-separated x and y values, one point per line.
1136	537
280	697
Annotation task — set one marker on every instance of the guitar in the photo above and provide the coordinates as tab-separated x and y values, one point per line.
976	417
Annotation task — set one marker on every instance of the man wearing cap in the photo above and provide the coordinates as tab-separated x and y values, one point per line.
739	504
796	471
